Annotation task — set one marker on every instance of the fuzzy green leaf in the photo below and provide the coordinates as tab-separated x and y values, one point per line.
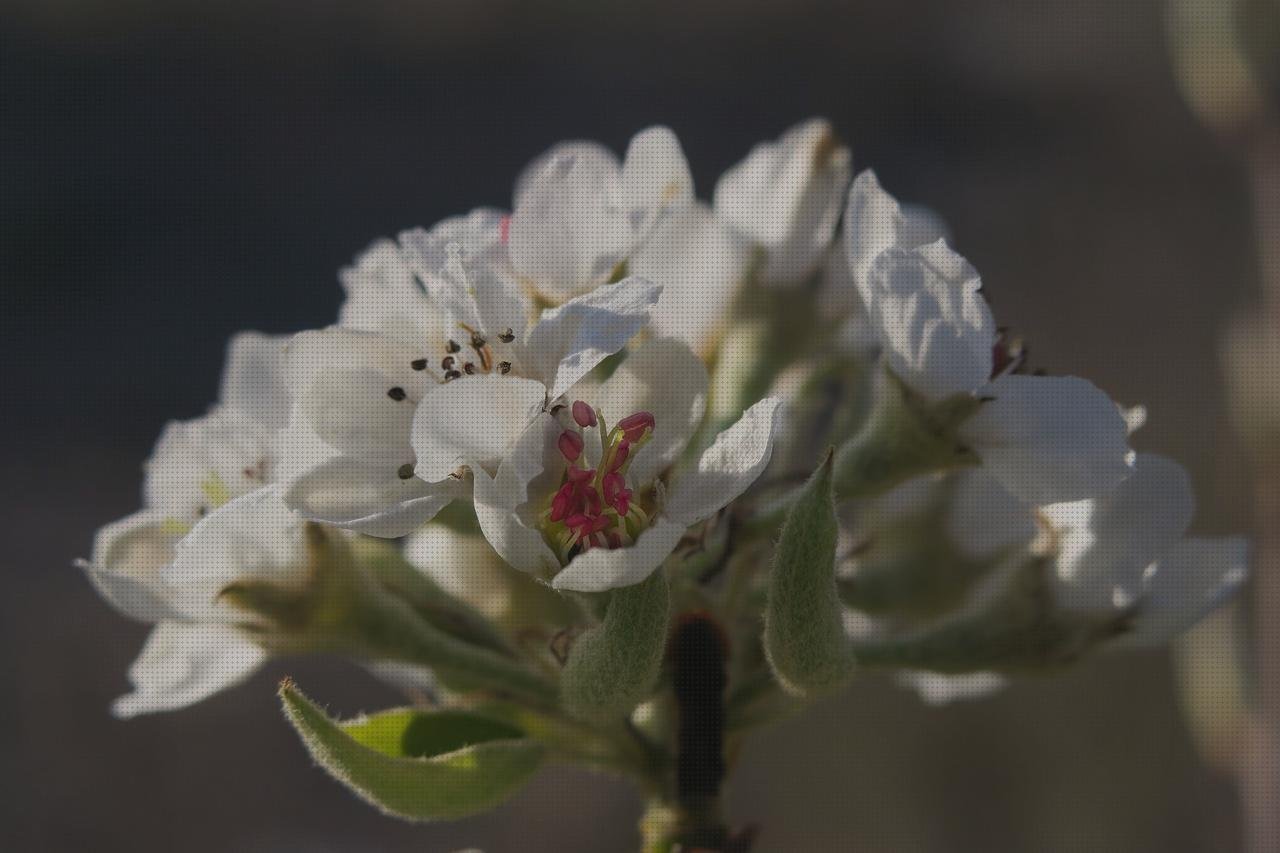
613	666
804	636
417	765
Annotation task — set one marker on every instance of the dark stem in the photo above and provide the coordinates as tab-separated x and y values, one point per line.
697	655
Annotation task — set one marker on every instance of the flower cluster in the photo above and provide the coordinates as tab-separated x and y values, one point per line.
596	410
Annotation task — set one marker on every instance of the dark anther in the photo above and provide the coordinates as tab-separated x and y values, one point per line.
507	337
451	374
469	368
477	341
447	364
452	346
396	393
405	471
418	364
504	367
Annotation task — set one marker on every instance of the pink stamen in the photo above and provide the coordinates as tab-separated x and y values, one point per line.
635	426
504	229
620	455
570	444
583	415
580	475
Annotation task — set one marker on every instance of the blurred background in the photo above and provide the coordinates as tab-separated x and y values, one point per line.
171	172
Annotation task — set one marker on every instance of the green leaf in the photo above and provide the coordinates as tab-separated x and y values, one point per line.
417	765
804	636
613	666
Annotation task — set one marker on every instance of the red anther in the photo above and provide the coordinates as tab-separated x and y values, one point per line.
613	538
613	486
620	454
634	426
579	522
583	415
562	502
580	475
570	445
504	229
593	506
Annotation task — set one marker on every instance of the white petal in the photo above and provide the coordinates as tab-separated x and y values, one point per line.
463	264
701	263
1050	439
1190	581
183	663
561	235
369	497
569	341
654	182
609	568
935	327
383	297
253	378
198	465
321	352
1106	543
472	421
728	467
253	538
464	565
128	556
345	385
504	503
935	688
786	195
984	519
662	377
874	222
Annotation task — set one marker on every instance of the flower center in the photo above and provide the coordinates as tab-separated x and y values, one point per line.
594	507
477	355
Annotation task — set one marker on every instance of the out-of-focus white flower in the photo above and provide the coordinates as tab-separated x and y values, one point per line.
213	517
579	214
1045	438
463	565
938	689
873	222
701	264
786	196
1126	550
585	500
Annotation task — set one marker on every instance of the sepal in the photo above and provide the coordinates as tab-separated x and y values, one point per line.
804	636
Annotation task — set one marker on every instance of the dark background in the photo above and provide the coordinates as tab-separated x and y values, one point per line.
173	172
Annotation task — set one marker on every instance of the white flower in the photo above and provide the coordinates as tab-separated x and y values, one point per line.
1127	550
937	689
1045	438
786	196
473	419
701	264
586	501
579	214
403	409
874	222
212	518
